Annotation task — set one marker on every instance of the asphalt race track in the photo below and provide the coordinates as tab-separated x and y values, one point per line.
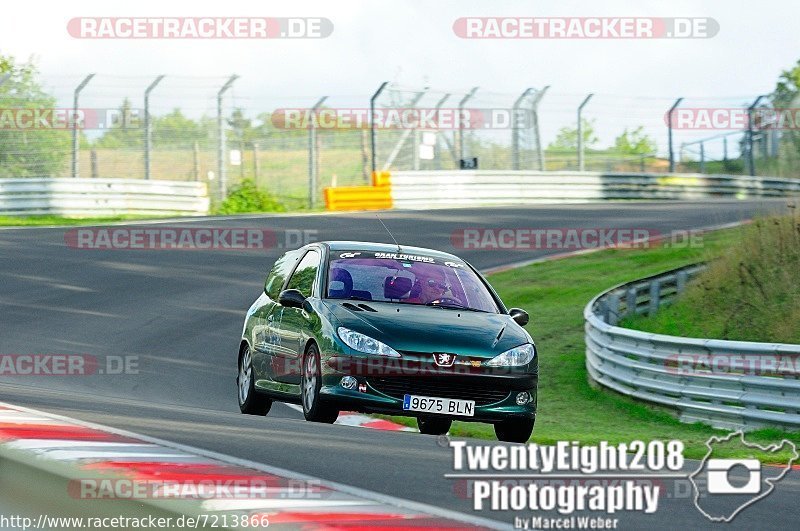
181	313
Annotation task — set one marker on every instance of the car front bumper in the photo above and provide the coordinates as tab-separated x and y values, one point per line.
379	390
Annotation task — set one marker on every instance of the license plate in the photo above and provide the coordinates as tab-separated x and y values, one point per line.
445	406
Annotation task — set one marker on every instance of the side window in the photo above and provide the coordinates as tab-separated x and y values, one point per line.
303	277
283	266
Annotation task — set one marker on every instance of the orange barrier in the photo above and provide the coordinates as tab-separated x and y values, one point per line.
375	197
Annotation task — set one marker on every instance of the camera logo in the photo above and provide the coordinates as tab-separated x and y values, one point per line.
720	480
723	487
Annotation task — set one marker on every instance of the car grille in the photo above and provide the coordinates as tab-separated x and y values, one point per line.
441	387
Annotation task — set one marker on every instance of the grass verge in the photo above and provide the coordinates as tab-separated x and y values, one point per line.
570	409
38	221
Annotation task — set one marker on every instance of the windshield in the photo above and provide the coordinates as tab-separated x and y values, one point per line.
407	279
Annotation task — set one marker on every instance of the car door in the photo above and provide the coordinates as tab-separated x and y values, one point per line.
296	323
266	318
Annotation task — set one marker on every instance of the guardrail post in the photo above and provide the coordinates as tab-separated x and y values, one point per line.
630	302
515	129
612	309
148	129
751	163
77	93
580	133
221	167
372	122
669	133
680	281
655	297
313	167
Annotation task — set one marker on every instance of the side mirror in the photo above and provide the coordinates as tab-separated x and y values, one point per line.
519	315
291	298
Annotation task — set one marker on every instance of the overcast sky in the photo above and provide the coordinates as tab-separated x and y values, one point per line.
412	42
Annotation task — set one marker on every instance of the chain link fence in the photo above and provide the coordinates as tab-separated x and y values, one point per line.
206	129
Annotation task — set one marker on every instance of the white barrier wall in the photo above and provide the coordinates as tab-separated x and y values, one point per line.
101	197
427	189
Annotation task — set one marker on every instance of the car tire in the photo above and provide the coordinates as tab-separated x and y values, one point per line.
250	401
314	409
434	425
517	430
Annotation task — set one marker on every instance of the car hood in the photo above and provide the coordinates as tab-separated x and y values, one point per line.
412	328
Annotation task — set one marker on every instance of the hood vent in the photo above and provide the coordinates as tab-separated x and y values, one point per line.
368	308
352	307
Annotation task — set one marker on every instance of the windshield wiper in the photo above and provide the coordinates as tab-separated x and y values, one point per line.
454	307
358	298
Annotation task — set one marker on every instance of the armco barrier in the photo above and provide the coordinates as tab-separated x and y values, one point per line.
358	198
101	197
707	380
429	189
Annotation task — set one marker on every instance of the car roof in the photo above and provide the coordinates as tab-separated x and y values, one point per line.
386	248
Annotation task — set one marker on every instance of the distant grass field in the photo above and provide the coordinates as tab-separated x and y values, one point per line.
570	409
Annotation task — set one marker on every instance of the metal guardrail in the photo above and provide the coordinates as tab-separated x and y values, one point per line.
707	380
426	189
101	197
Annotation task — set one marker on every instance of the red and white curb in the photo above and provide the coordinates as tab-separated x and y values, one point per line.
108	455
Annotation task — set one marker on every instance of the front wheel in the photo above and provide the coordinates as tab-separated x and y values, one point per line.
517	430
310	384
250	402
434	426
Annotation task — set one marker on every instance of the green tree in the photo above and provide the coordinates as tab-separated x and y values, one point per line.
634	142
28	152
787	96
123	134
567	137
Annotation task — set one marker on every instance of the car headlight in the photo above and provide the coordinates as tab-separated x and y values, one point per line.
366	344
514	357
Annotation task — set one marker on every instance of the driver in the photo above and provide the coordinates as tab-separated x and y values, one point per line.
429	289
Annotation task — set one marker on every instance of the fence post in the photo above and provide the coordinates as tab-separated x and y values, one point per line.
148	130
312	154
539	151
702	158
436	145
460	130
515	129
751	163
256	167
581	165
77	93
372	101
669	133
196	161
221	169
93	162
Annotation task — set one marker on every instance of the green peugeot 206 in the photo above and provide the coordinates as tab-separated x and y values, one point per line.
392	329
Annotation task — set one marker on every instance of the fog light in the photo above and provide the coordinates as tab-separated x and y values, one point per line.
348	382
523	398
